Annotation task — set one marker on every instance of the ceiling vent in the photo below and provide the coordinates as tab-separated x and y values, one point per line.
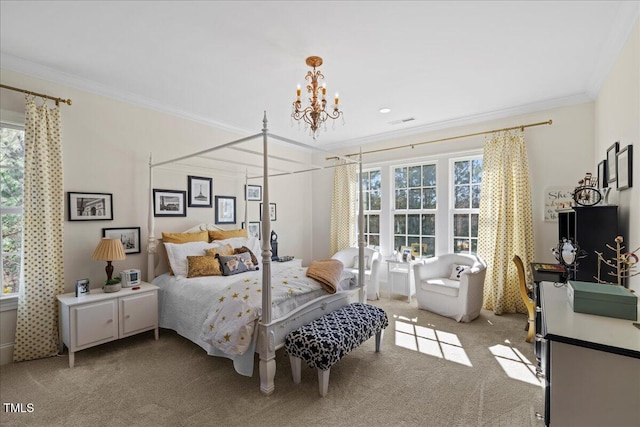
397	122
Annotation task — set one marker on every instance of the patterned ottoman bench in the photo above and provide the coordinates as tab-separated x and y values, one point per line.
324	341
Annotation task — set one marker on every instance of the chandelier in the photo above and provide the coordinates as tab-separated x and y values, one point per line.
316	113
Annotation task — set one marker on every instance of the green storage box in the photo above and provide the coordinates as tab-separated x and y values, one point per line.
602	300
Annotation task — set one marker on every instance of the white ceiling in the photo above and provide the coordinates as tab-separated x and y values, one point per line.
224	63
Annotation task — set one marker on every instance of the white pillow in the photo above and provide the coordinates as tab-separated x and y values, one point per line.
357	258
457	270
178	252
250	242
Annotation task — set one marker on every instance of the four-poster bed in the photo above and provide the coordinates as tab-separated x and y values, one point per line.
273	321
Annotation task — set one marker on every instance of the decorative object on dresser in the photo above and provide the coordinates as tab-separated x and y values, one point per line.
611	162
623	264
586	193
602	300
624	167
129	236
568	254
225	210
253	192
109	250
169	203
592	227
200	191
90	206
82	287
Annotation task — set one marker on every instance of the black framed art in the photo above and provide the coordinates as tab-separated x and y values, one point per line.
602	174
272	211
169	203
129	236
624	165
90	206
200	191
225	210
253	192
611	162
253	230
82	287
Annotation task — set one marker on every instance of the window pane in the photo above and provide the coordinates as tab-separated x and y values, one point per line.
11	186
415	176
429	175
474	225
476	171
475	196
400	224
398	242
365	181
429	198
428	225
415	201
11	233
374	177
11	148
365	201
431	246
375	200
401	177
413	224
10	273
461	173
401	199
460	245
374	240
462	199
474	245
460	225
374	223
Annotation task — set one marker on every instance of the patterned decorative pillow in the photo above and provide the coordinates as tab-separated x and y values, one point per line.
457	271
245	249
202	265
357	258
235	264
220	250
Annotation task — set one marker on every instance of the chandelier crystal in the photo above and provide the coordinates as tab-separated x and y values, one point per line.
316	113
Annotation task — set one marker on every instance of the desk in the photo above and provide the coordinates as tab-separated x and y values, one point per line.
542	276
400	275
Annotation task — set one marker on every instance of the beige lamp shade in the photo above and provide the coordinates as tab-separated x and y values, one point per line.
109	250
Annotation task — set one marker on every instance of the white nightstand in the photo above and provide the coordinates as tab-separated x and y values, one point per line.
100	317
400	277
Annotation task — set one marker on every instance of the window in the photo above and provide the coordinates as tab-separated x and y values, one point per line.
414	218
371	206
11	196
467	179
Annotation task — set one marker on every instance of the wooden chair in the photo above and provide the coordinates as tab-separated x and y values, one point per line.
528	301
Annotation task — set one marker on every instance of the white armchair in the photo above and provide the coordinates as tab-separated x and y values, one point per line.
442	289
372	258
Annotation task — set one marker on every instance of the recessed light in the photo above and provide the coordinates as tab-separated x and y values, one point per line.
385	110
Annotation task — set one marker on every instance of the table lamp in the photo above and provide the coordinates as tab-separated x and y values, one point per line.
109	250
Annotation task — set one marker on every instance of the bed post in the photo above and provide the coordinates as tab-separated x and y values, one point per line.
151	239
266	339
363	293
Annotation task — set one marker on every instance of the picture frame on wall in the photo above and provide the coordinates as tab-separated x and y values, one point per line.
82	287
611	162
624	165
272	211
200	191
253	192
129	236
169	203
225	210
602	174
254	229
90	206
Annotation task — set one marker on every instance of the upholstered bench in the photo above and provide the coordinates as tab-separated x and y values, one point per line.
324	341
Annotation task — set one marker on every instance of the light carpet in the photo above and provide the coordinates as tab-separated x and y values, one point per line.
432	371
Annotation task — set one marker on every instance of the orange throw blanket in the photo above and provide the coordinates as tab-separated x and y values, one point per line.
327	272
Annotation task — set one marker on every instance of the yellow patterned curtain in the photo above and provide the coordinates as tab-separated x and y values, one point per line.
505	225
37	324
343	208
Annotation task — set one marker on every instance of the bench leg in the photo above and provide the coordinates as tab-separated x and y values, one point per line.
379	336
295	368
323	381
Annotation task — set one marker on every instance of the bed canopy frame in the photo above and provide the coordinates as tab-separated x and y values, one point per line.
271	332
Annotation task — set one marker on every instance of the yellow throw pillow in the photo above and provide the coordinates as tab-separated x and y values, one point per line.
227	234
222	250
201	236
201	265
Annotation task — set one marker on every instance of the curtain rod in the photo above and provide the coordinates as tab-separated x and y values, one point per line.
28	92
548	122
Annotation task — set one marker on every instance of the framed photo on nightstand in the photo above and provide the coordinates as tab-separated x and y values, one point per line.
82	287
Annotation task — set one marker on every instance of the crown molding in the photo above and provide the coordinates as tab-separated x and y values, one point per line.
20	65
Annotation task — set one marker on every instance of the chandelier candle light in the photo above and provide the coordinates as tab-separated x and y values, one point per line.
316	113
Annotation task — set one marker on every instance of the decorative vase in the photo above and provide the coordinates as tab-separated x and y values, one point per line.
111	288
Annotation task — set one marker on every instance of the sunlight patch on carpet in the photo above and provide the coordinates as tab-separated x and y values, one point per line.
515	364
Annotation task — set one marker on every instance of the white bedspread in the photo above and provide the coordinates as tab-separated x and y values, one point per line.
186	303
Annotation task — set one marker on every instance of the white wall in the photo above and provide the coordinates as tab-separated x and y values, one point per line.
617	118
